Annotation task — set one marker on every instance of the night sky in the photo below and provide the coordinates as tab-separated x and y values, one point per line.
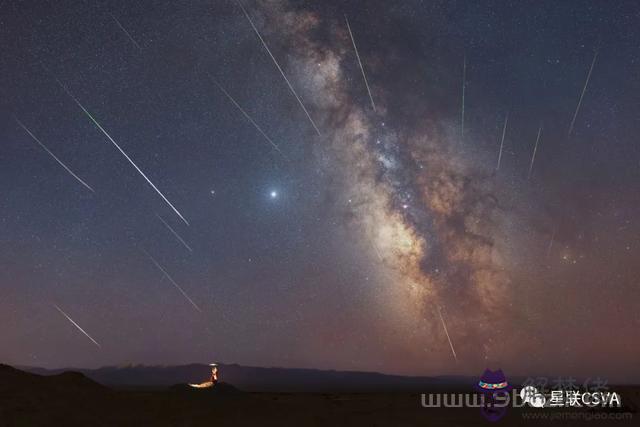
322	220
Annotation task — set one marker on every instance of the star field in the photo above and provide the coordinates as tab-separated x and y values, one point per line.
172	193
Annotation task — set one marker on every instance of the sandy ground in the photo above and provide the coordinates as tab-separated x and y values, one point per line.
171	408
71	399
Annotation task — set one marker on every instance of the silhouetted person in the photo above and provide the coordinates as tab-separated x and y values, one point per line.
213	380
214	375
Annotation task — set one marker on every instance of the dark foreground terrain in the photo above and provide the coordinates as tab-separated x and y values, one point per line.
71	399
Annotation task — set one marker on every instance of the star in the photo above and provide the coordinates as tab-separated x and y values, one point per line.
273	194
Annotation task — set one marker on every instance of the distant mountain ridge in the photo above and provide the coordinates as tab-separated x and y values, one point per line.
261	379
64	399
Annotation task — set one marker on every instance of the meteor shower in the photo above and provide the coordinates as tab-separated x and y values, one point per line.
283	212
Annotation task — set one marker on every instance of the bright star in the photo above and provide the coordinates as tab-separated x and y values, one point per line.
273	194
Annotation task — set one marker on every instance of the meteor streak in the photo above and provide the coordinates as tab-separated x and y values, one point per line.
553	236
448	337
364	76
175	233
52	155
125	31
504	132
76	325
464	84
248	117
378	252
173	282
278	66
584	89
122	151
535	148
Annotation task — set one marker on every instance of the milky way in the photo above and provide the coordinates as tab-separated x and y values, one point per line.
416	201
415	198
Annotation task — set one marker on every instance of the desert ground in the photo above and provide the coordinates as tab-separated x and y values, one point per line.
71	399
